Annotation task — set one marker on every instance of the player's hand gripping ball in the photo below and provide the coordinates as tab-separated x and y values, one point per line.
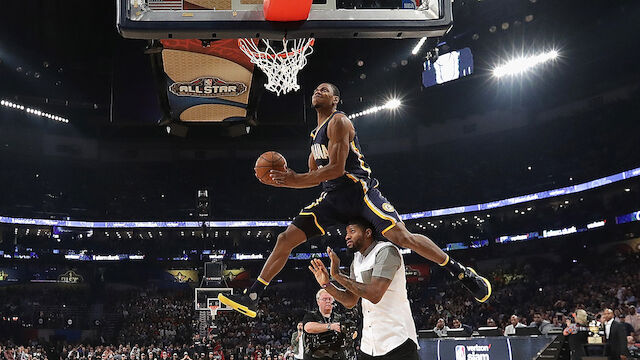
268	161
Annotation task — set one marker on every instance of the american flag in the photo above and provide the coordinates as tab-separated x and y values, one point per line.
165	4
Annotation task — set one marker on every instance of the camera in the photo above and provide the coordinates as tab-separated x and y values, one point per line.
332	344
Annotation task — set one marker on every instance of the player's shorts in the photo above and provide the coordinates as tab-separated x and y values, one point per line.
339	206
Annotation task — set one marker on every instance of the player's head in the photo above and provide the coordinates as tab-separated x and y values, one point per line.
325	96
359	234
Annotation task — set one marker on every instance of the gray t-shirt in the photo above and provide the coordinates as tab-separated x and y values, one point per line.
388	261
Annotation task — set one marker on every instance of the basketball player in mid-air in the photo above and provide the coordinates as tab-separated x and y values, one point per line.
349	192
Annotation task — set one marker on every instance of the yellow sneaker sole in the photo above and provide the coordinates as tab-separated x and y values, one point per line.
237	307
488	287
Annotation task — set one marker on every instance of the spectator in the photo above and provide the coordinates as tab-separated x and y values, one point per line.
615	336
577	334
633	318
297	342
627	327
541	324
456	324
514	322
441	328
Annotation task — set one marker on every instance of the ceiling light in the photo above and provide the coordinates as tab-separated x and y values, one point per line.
522	64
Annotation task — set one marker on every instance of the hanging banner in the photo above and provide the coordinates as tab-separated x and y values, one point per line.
70	277
204	81
183	276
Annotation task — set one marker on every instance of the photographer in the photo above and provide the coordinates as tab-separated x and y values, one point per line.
378	277
323	322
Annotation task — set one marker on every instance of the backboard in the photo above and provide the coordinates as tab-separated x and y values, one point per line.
204	297
219	19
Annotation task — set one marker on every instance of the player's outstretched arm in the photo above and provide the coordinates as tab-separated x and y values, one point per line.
372	291
344	297
340	132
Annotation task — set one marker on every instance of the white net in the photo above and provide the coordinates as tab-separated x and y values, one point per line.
280	66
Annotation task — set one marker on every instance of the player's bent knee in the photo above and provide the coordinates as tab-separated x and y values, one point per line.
289	239
401	237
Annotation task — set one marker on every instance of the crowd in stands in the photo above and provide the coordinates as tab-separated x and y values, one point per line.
162	324
10	351
45	306
541	295
162	318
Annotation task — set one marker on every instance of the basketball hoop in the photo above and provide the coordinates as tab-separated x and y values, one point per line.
281	67
214	310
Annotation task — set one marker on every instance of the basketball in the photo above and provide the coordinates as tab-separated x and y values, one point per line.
270	160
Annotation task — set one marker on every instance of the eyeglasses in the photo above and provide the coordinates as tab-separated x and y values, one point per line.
326	299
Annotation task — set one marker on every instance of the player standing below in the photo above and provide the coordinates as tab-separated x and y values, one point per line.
377	276
349	192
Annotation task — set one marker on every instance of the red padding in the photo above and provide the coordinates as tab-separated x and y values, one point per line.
287	10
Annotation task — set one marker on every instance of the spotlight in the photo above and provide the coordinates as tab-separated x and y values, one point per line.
29	110
520	65
393	104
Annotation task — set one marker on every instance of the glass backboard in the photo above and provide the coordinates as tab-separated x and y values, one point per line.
219	19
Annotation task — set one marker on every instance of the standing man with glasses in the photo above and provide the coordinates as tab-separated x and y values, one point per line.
321	321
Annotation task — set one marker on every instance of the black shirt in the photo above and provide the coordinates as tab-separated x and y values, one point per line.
316	316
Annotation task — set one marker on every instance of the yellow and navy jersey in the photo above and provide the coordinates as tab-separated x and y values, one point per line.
357	170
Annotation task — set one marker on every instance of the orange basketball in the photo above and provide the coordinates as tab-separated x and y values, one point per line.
270	160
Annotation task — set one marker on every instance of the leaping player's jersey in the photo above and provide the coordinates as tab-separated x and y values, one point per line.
357	170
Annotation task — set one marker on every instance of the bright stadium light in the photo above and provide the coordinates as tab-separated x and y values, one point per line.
393	104
418	46
36	112
523	64
390	105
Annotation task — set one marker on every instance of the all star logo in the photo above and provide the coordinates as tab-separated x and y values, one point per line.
208	87
388	207
180	277
70	277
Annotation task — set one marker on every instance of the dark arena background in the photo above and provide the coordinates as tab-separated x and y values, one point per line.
128	194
